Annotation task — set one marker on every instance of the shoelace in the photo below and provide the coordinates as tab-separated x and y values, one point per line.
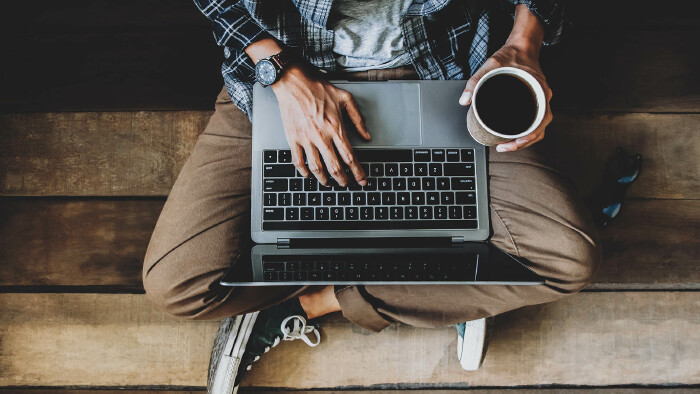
298	331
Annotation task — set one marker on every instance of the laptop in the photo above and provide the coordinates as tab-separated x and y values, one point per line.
422	218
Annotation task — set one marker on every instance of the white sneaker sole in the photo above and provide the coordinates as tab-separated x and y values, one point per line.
227	369
470	350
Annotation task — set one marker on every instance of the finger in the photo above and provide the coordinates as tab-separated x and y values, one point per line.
355	116
314	164
333	166
348	156
298	160
519	143
466	97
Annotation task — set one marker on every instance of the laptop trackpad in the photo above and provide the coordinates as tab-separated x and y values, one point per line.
391	111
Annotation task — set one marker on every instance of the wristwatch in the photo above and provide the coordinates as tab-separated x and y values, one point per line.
269	69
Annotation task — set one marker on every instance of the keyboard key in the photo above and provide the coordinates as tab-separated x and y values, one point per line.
278	171
466	198
310	185
462	183
421	155
296	185
269	199
406	169
322	213
285	276
396	213
328	198
275	185
440	212
403	198
411	213
381	213
432	198
284	199
470	212
374	198
301	276
376	169
467	155
292	213
388	198
273	266
299	199
459	169
384	184
366	213
358	198
418	198
328	188
426	212
352	213
455	212
435	169
438	155
314	198
270	156
443	183
336	213
447	198
399	184
391	169
428	183
285	156
271	276
420	169
453	155
344	199
273	214
307	214
371	184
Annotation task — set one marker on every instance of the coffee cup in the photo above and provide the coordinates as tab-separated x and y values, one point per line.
507	103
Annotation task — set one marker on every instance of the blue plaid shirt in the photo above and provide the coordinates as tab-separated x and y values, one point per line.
445	39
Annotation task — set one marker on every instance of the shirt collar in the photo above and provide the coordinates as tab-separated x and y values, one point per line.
315	11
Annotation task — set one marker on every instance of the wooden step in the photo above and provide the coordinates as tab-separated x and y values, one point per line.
542	390
595	339
159	54
60	242
141	153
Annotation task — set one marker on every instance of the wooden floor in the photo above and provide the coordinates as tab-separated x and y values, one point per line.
92	144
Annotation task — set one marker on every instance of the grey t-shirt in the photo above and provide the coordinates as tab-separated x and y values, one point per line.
367	33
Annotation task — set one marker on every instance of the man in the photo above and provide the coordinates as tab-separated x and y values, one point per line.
534	210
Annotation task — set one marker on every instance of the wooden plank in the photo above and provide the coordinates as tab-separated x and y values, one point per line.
653	245
96	154
543	390
141	153
580	145
589	339
160	55
75	243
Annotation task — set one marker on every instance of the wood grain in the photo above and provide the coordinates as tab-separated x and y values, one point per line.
158	54
588	339
653	245
141	153
350	390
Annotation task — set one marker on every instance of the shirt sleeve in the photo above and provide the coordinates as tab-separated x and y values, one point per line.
234	27
550	12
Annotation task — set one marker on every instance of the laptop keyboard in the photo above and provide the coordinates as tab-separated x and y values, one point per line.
406	189
367	269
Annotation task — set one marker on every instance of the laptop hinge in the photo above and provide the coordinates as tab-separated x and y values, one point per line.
457	240
283	243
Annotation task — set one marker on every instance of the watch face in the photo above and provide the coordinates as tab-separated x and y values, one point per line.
265	72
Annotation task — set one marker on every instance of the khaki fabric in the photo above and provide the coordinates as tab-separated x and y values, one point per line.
535	213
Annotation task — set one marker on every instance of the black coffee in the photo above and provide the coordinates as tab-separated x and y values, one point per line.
506	104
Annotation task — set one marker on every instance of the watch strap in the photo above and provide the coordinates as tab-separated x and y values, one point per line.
282	59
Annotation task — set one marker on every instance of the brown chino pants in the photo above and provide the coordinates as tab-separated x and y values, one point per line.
534	210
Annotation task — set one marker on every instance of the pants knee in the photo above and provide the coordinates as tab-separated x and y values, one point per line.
581	259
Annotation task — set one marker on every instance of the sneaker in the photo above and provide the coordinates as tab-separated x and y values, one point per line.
241	340
472	342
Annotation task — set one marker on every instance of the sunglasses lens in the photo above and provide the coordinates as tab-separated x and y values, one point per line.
612	210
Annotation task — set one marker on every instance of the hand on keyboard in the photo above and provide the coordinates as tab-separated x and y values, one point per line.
312	114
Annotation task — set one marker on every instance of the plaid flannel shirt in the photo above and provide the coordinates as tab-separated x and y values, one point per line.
445	39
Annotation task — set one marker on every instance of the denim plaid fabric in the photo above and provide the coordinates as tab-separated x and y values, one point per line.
445	39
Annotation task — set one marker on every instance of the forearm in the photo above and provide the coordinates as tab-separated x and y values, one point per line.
263	48
528	31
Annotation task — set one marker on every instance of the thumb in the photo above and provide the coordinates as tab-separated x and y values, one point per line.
466	97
